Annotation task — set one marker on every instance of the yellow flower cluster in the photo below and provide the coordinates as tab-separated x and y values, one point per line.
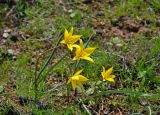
82	53
77	79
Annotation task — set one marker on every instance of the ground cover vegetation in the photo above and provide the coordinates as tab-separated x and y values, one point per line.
80	57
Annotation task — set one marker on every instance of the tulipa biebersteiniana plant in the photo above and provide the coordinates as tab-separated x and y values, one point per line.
106	75
81	53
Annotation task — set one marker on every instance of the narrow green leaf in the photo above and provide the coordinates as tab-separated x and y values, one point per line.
1	88
126	92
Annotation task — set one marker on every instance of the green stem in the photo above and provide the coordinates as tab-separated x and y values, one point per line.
36	91
55	65
88	41
49	59
35	84
43	68
76	66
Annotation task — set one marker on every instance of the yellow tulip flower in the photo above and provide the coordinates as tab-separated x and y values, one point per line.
83	53
77	79
106	75
70	39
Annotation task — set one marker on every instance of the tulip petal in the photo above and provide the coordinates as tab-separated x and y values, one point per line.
75	78
71	32
69	47
69	81
89	50
82	78
78	51
66	34
83	54
112	76
81	44
109	79
75	58
80	84
75	45
103	68
74	38
78	72
73	85
103	72
88	58
63	42
109	71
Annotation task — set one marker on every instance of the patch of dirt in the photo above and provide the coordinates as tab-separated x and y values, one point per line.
124	27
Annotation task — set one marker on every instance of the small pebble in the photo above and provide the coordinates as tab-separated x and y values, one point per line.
7	30
10	51
14	36
5	35
23	100
111	1
100	13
